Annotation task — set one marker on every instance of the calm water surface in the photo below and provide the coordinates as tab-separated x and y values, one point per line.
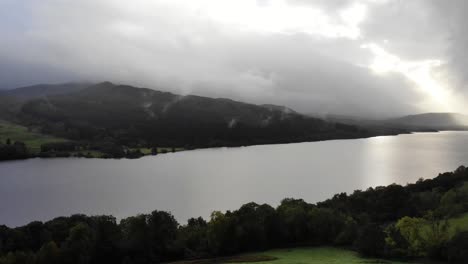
194	183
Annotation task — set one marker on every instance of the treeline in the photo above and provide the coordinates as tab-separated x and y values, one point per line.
403	222
125	142
130	132
84	139
10	150
107	149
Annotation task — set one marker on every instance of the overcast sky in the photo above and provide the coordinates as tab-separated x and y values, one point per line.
369	57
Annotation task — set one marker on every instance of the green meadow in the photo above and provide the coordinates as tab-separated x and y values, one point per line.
321	255
309	255
147	151
31	138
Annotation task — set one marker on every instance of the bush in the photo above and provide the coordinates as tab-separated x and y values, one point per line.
371	241
17	150
457	248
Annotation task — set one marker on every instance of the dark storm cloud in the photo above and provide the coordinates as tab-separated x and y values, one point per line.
178	46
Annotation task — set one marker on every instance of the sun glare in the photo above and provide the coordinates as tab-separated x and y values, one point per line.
420	72
281	17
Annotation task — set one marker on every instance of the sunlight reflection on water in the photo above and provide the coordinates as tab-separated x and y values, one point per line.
194	183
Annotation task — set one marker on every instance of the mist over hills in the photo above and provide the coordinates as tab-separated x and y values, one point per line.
43	90
131	116
97	100
425	122
440	121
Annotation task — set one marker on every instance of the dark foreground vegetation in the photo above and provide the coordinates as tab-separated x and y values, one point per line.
397	222
118	120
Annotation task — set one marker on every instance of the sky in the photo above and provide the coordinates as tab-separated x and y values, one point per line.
369	58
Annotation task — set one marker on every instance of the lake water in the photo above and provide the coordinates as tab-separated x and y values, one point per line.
194	183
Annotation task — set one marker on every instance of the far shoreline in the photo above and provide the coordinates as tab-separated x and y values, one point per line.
238	146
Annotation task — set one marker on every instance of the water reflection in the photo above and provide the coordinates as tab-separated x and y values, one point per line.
379	159
197	182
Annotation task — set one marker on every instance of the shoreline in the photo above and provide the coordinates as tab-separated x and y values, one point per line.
167	151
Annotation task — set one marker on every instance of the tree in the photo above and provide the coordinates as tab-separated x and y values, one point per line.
136	241
107	238
79	245
193	237
294	218
410	229
162	228
348	234
154	151
437	236
220	233
18	257
10	151
48	254
371	241
457	250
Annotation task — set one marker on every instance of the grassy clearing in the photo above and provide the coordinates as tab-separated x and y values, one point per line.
167	150
32	139
89	153
321	255
147	151
235	259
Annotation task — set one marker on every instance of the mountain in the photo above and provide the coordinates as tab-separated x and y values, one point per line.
43	90
127	115
12	100
405	124
437	121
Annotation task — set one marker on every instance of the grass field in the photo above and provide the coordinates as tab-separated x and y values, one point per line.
327	255
147	151
90	153
320	255
33	140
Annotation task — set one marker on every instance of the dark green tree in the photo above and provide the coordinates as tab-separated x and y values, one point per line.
48	254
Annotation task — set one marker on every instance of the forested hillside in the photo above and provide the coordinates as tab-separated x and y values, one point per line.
120	121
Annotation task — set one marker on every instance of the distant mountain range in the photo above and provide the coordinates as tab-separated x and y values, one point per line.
127	115
412	123
43	90
130	116
438	121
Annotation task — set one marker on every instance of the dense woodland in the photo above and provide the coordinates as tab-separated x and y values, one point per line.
114	119
397	222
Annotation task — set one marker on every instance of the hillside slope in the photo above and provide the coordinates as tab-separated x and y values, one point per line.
43	90
128	115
